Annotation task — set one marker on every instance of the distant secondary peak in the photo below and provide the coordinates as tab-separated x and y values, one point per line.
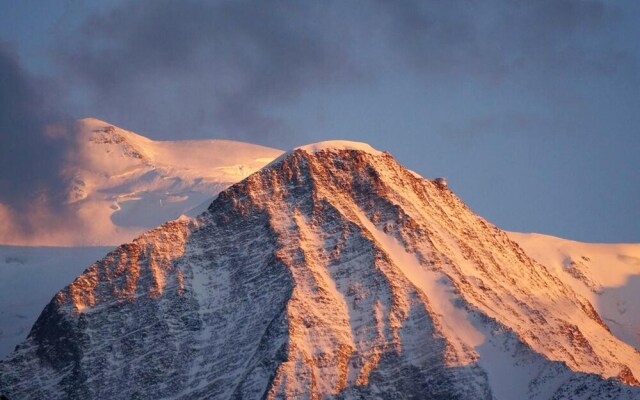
338	145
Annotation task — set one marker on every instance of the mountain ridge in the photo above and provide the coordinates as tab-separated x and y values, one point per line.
328	273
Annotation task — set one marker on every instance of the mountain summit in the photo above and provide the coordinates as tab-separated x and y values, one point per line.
334	272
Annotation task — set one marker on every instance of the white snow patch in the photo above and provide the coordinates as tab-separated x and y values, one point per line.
329	145
339	145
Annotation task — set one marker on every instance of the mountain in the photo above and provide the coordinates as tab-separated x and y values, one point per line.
120	184
333	272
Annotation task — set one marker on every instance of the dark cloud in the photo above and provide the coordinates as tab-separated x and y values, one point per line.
226	68
29	158
189	64
31	155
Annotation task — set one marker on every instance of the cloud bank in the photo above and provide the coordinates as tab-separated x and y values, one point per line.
228	68
194	64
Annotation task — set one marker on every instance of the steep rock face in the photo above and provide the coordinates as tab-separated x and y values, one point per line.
332	273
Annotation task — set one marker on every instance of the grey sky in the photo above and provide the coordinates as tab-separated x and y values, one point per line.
530	108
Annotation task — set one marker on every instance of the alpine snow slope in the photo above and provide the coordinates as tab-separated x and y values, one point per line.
120	184
333	272
608	274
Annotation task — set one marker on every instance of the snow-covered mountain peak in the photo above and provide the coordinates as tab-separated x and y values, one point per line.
330	146
333	145
331	274
120	183
206	158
